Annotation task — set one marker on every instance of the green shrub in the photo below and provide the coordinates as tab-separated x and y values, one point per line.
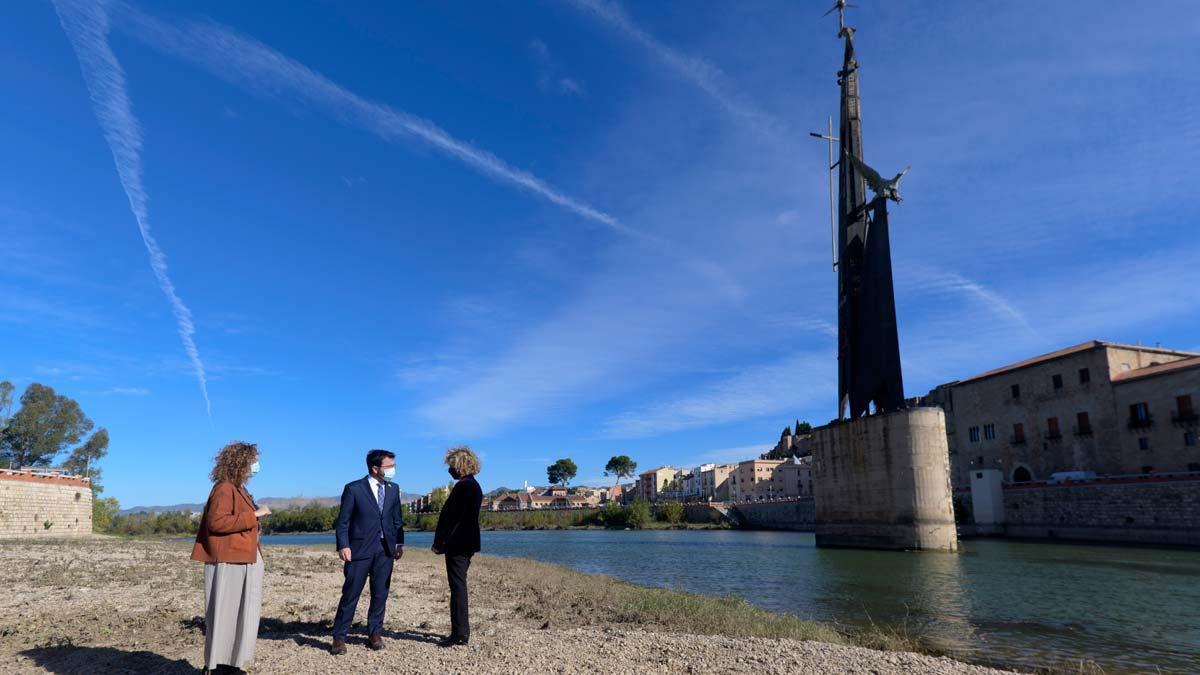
637	514
670	512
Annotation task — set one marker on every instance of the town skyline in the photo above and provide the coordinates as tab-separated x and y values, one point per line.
601	231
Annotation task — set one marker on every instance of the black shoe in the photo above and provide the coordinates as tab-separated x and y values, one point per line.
453	641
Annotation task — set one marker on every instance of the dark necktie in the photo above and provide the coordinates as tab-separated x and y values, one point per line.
380	498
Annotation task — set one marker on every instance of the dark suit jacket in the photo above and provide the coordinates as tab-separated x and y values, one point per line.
458	525
359	525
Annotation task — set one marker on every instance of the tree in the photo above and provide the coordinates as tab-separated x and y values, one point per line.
437	498
103	512
561	472
803	428
671	512
787	431
85	460
44	426
498	492
6	390
621	467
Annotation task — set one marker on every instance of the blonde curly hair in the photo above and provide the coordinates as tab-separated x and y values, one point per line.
462	460
233	462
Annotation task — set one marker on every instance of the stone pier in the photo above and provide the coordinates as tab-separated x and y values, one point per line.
883	481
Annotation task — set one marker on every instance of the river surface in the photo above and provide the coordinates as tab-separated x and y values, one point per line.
1028	604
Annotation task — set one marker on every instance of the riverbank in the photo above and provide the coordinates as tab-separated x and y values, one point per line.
117	605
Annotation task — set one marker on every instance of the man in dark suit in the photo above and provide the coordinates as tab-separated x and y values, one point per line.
457	536
370	537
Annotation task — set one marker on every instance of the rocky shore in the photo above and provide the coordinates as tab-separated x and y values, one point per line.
107	605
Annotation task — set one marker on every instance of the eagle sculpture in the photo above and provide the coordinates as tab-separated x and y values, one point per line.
888	189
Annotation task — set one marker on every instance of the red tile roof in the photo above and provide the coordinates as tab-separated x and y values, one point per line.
1068	351
1151	371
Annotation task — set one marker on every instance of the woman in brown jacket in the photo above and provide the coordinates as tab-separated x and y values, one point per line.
227	544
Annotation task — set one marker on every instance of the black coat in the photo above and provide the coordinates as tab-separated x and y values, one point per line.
458	524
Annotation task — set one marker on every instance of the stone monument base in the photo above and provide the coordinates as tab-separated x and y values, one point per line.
883	482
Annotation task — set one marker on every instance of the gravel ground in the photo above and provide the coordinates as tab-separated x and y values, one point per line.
115	606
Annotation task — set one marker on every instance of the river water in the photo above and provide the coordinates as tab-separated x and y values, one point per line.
1028	604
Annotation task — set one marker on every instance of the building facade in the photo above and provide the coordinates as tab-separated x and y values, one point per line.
1099	407
44	504
754	480
651	483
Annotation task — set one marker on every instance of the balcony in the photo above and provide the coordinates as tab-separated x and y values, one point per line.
1141	422
1185	419
1082	431
1052	435
1016	440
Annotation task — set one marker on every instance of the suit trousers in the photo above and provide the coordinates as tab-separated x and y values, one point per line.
456	574
379	568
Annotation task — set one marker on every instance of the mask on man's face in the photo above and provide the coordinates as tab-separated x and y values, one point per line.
453	474
389	472
254	468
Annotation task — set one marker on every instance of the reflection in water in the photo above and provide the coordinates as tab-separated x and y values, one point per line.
1027	604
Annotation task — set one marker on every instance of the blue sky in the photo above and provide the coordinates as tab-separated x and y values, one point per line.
559	227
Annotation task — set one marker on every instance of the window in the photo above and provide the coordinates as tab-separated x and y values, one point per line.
1183	408
979	460
1052	430
989	432
1018	433
1083	425
1085	376
973	432
1016	391
1147	469
1057	381
1139	415
1189	439
1193	466
1143	442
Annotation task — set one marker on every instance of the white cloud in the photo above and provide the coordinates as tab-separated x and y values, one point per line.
266	72
129	391
704	75
782	387
86	25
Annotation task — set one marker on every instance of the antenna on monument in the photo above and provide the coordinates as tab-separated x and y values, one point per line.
840	6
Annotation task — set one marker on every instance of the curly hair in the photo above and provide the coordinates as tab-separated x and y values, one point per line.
233	462
462	460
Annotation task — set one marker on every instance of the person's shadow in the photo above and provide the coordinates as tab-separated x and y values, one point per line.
316	634
75	660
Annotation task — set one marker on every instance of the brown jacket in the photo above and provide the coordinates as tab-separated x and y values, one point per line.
229	529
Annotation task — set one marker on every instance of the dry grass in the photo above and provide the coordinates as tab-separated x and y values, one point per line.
556	596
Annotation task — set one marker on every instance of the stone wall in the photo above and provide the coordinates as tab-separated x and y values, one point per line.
33	505
1160	511
792	514
883	481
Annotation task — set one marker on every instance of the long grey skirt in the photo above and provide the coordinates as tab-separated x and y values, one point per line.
232	602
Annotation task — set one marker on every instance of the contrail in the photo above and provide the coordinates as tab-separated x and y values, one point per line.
86	25
701	73
249	63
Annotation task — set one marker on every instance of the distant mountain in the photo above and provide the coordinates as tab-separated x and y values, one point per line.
276	503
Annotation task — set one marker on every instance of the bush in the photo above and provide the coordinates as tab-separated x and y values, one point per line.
141	524
103	512
637	514
670	512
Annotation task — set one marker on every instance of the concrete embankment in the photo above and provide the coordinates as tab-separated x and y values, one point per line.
104	605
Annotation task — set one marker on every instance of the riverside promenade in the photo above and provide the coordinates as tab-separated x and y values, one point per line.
104	605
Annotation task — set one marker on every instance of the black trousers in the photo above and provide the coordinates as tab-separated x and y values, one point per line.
456	574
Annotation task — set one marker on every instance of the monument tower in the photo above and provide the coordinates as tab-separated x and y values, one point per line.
868	346
882	475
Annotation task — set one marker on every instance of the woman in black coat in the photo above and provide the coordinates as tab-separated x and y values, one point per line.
457	537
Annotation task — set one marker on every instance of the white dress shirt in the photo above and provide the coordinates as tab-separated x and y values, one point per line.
375	483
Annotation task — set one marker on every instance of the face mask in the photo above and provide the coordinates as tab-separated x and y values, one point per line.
389	473
254	468
454	474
